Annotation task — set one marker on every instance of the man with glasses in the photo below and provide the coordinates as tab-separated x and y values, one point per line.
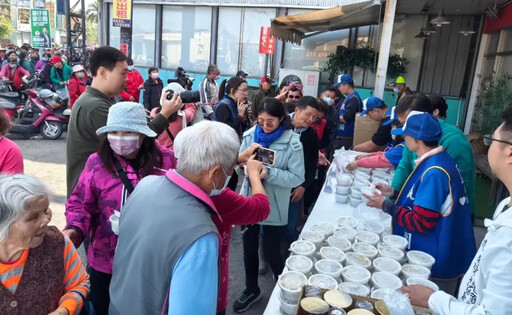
487	286
347	113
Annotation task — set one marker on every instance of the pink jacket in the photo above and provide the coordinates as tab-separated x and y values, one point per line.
377	159
93	201
176	126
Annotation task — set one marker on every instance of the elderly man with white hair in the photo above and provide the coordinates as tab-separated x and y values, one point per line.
166	259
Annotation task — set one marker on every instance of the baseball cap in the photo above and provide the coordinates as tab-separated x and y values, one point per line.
77	68
241	73
400	80
371	103
392	116
421	126
266	78
344	79
55	60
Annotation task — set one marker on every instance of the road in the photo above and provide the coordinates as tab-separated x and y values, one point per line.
46	160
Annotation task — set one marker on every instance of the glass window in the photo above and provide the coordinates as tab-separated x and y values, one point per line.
114	32
228	43
252	61
186	34
143	35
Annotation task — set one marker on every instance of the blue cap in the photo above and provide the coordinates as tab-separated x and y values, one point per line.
370	103
421	126
344	79
392	116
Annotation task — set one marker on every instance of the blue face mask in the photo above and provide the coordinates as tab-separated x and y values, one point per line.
44	59
215	191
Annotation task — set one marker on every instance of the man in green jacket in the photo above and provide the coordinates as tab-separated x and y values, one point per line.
453	142
60	73
90	111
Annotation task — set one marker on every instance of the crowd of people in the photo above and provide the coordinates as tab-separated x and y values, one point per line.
187	172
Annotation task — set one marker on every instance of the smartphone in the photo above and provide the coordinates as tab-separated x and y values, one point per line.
265	156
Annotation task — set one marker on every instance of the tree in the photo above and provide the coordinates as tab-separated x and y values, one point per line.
6	28
92	12
92	31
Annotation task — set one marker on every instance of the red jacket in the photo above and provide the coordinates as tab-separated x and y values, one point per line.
133	81
319	128
76	87
234	210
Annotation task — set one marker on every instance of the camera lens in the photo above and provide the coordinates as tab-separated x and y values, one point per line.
190	96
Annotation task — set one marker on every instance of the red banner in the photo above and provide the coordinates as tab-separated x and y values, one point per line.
503	20
267	42
124	49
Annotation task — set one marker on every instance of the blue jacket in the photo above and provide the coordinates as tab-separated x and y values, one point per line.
351	105
286	174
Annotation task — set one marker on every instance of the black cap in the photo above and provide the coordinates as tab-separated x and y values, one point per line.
241	74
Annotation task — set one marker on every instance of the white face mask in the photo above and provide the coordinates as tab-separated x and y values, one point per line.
215	191
80	75
154	76
130	68
328	100
397	90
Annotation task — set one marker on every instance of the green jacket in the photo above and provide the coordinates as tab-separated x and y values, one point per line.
458	148
28	65
56	78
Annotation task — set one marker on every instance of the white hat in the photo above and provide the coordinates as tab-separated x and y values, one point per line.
78	68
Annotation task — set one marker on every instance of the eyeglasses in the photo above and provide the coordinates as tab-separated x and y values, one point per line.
294	97
243	90
489	139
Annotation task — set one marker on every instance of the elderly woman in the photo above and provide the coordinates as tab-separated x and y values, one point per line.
128	154
166	259
40	270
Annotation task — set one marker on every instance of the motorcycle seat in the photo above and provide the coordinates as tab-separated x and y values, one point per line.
7	105
10	94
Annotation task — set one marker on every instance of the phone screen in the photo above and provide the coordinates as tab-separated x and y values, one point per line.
265	156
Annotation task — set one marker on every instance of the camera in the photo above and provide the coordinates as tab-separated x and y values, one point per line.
182	78
186	96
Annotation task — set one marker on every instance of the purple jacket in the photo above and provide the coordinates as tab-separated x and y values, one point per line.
94	199
40	65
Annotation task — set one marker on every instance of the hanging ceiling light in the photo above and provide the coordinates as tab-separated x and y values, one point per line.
467	30
440	20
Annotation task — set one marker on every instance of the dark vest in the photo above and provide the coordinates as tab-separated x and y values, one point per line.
42	282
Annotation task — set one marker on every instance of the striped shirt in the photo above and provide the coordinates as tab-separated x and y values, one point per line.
76	280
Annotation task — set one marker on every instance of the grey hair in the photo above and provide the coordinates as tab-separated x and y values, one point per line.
208	143
211	68
16	192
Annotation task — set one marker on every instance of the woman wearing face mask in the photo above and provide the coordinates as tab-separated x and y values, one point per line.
12	72
77	84
152	89
275	132
134	83
26	62
42	62
128	154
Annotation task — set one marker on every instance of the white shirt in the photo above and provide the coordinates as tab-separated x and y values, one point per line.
487	286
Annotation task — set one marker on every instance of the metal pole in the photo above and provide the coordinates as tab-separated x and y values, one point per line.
67	10
84	33
385	46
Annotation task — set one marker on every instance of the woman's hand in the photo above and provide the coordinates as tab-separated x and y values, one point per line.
241	107
170	107
386	190
284	94
351	166
418	294
376	200
60	311
246	155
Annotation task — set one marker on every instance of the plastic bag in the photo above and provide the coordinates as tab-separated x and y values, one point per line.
63	93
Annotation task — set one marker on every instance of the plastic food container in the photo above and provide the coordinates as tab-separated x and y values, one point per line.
329	267
324	228
299	263
305	248
391	252
359	183
386	280
323	282
340	242
379	294
332	252
354	202
291	283
354	288
342	190
287	307
373	226
370	191
420	258
355	193
314	306
368	237
397	241
356	274
314	237
346	232
341	198
365	249
344	180
348	221
356	259
386	264
417	271
338	299
421	281
360	311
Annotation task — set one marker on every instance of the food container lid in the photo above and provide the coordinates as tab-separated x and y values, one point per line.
355	274
365	249
346	232
354	288
332	252
379	294
420	258
415	270
387	264
328	266
338	299
386	280
374	227
358	259
360	311
303	247
292	280
395	241
323	281
311	236
348	221
391	252
340	242
324	228
299	263
421	281
314	305
367	237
